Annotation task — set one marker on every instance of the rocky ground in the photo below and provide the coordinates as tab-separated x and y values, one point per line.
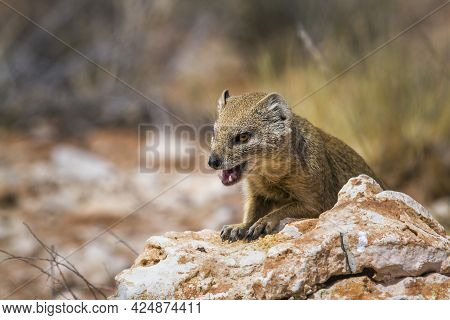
372	244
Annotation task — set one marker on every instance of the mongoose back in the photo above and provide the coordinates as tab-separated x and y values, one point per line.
290	168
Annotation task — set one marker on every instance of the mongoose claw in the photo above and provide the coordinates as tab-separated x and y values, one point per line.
260	228
233	232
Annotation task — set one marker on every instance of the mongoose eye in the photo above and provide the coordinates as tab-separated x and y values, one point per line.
242	137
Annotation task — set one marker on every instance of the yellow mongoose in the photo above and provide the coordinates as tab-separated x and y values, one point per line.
291	169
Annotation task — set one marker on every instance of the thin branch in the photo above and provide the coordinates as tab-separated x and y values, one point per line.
52	272
68	265
58	261
65	282
123	242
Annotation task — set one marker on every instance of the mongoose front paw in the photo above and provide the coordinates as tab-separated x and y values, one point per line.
260	228
234	232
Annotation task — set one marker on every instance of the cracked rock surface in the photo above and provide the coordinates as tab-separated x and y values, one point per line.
372	244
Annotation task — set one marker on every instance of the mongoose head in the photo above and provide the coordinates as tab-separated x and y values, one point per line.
249	129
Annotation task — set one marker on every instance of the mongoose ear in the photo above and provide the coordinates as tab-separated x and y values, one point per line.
222	101
275	103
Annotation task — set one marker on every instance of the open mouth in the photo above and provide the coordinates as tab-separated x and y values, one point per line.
233	175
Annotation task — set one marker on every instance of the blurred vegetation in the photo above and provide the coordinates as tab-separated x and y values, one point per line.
393	108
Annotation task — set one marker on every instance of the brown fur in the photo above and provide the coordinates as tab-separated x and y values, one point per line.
293	169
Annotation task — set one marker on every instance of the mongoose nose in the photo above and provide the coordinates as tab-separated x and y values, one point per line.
214	162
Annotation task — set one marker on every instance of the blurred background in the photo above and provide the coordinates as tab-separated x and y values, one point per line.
69	164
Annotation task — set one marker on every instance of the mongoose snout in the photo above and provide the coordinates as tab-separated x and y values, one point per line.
214	161
227	176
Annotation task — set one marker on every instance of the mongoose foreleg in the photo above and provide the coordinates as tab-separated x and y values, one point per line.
268	223
255	208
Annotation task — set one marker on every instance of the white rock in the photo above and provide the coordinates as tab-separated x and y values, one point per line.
384	234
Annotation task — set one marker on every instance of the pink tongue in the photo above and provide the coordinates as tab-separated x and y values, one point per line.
229	176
